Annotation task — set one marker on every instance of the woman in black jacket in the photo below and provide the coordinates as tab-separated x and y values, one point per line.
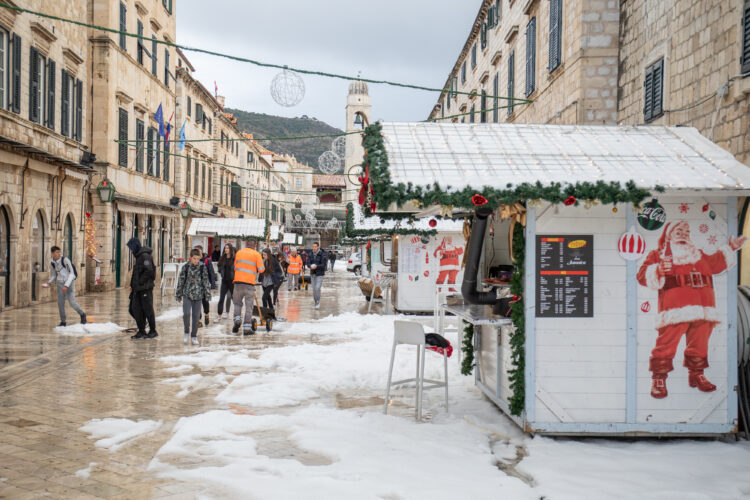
270	278
226	270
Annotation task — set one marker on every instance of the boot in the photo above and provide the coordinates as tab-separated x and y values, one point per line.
206	315
696	378
152	334
83	318
236	327
139	335
659	368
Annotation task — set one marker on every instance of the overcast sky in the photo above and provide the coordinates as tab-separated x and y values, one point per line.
410	41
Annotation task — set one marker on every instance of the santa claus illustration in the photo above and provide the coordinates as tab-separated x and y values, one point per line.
683	275
449	263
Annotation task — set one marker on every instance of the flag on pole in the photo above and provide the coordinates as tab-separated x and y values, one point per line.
216	89
182	137
159	117
169	129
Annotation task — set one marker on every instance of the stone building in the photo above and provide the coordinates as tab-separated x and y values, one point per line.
45	138
131	78
358	115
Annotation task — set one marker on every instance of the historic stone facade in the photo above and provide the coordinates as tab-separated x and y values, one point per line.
43	137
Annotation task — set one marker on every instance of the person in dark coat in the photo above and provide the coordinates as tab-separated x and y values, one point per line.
206	261
318	263
141	289
216	255
226	271
332	258
270	278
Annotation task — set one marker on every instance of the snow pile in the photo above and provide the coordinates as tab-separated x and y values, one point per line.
357	456
170	314
114	433
85	473
89	329
196	382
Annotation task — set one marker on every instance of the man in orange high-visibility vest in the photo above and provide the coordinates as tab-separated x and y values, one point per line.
248	265
294	270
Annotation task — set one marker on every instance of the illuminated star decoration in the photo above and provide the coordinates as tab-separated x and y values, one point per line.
684	208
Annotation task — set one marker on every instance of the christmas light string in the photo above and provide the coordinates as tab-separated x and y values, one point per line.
254	62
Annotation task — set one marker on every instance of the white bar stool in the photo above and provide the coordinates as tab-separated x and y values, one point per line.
412	333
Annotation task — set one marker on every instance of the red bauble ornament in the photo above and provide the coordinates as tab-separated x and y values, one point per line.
646	307
570	201
705	207
478	200
426	274
433	223
631	245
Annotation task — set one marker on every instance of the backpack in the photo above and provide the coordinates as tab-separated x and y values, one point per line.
62	261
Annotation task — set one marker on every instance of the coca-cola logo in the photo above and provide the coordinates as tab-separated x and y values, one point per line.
652	216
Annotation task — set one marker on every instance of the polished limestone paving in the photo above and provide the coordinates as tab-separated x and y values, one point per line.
52	384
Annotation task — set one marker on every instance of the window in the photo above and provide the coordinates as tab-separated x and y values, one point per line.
210	127
150	151
37	66
491	17
273	212
483	107
189	105
167	73
530	56
222	138
250	157
165	169
15	95
471	114
196	173
66	101
221	189
555	34
78	132
203	180
139	42
122	146
154	57
139	145
498	11
123	25
495	92
298	183
198	113
653	87
49	111
3	68
511	76
210	186
474	56
463	73
483	36
745	54
167	5
187	176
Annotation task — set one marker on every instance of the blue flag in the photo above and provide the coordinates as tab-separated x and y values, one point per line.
182	137
159	117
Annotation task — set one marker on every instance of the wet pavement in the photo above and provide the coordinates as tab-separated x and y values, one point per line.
52	384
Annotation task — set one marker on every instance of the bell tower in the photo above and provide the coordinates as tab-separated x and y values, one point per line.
358	112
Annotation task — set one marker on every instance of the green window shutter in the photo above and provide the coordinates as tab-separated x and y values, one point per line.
530	56
34	85
195	178
165	168
139	42
187	175
648	95
511	70
658	88
65	103
157	155
139	145
123	25
555	34
154	57
16	75
51	75
189	106
745	54
122	147
166	67
79	111
150	151
495	92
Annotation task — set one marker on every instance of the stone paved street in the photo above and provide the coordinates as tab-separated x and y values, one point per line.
52	384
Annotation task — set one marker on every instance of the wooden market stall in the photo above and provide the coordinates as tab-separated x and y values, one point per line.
206	231
623	316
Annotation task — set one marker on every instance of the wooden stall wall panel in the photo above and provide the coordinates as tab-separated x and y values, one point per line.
488	360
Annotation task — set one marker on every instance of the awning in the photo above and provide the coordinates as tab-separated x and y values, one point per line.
228	228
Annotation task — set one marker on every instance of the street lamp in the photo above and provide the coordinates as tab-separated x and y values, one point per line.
106	191
185	210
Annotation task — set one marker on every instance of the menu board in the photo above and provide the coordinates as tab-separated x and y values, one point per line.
565	276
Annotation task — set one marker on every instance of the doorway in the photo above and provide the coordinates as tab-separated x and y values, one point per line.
5	272
118	248
68	238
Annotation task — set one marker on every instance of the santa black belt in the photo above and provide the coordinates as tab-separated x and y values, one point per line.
692	280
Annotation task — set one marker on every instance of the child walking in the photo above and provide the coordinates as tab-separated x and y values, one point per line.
193	288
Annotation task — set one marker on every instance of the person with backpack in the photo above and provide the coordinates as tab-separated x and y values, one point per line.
64	273
142	288
226	271
193	287
270	278
206	260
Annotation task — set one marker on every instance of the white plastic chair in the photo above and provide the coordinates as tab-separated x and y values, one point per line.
412	333
169	277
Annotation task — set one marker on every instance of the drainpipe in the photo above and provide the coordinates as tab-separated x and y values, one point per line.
59	200
23	193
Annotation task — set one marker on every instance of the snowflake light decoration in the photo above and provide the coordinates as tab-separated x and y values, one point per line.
329	163
287	88
703	228
684	207
338	146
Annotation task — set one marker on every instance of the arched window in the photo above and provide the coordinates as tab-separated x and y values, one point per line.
38	234
68	238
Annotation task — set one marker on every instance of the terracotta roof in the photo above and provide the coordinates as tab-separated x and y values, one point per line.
329	181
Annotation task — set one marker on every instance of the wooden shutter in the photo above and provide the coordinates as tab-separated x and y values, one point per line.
165	169
166	67
483	35
189	106
511	59
79	110
139	148
154	57
648	95
198	113
139	42
745	55
188	173
555	33
530	56
196	174
658	82
123	26
122	149
65	104
495	92
157	155
16	104
51	73
34	84
150	151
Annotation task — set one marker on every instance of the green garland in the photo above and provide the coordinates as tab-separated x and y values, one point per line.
387	193
467	347
516	375
350	231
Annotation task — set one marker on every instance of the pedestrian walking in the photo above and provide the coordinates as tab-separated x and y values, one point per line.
193	287
64	273
271	277
248	265
332	258
141	289
280	263
318	264
216	255
226	271
294	269
206	261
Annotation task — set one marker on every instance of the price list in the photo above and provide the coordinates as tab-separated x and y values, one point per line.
565	276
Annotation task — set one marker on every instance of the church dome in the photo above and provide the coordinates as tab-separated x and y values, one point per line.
358	87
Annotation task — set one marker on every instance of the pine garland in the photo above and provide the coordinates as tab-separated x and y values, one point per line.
516	375
467	347
387	193
350	231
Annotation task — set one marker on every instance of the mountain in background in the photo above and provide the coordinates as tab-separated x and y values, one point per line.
305	150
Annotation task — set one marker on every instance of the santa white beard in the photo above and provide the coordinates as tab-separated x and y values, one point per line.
685	253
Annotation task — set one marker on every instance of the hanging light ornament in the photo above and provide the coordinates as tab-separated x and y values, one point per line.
287	88
329	163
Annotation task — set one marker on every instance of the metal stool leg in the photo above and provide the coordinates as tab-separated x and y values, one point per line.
390	374
445	367
421	377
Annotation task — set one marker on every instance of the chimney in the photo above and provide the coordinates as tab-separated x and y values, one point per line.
220	99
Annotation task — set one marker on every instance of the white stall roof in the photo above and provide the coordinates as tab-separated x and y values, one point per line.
493	155
373	223
274	232
247	228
